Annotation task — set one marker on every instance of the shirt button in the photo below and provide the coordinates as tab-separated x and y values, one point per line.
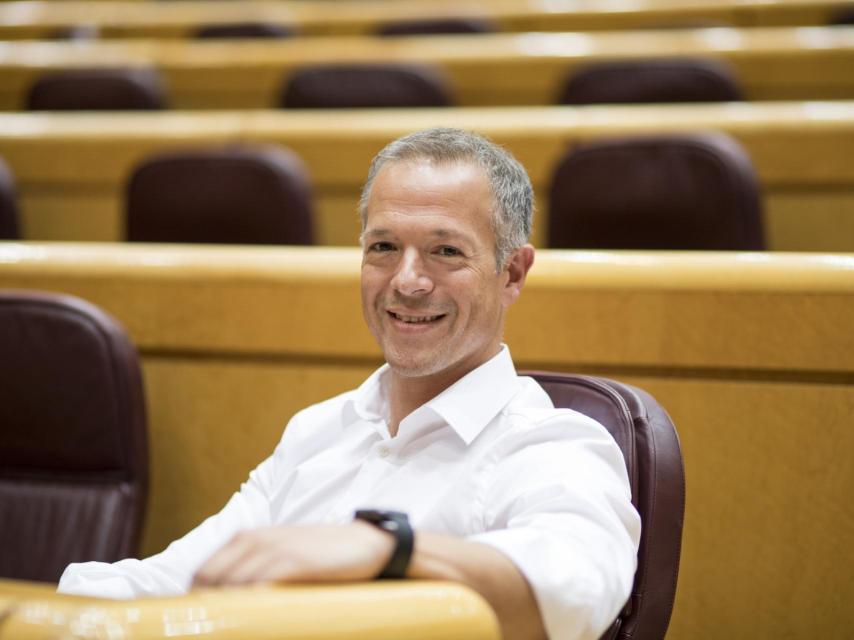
383	452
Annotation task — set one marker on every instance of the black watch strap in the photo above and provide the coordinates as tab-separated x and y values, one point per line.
397	524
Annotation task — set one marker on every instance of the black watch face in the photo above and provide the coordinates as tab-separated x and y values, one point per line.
379	515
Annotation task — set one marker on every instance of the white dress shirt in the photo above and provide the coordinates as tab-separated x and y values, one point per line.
489	459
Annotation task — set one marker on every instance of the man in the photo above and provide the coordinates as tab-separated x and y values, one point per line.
526	504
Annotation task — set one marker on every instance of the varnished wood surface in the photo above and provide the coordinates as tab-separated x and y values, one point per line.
181	18
794	63
71	169
421	610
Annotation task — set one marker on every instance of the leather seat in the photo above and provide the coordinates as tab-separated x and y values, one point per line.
244	30
97	90
9	227
652	81
364	86
232	195
677	192
436	26
650	446
73	447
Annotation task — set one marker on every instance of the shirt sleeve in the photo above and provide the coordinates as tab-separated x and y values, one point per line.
558	504
171	571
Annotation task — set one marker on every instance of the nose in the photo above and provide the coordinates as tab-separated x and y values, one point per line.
411	277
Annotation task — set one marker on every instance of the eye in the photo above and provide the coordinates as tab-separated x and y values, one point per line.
449	252
381	247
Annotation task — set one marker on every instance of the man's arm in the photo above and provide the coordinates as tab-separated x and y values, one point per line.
359	551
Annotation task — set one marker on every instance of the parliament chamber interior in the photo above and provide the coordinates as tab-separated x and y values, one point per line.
180	254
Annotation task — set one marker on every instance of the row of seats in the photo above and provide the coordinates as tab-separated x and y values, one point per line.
689	191
190	19
278	30
397	85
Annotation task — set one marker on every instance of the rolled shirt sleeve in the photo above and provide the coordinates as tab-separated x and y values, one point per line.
557	502
171	571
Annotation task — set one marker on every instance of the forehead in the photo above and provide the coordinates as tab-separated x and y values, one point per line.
455	190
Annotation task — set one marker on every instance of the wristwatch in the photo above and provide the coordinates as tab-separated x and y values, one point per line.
397	524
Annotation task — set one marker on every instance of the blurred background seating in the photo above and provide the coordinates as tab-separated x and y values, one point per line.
232	195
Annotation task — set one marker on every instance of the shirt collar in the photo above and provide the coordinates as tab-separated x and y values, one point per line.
467	406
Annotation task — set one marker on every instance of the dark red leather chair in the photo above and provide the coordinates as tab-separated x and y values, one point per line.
9	228
689	191
73	444
97	90
436	26
344	86
650	446
652	81
244	30
843	15
231	195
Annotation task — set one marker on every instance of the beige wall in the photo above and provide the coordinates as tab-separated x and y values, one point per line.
752	354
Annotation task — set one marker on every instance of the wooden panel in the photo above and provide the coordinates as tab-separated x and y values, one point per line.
71	169
753	356
180	19
482	70
422	610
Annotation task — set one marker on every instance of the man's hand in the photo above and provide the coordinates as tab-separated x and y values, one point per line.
317	553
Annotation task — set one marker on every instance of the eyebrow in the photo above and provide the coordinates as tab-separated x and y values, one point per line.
441	234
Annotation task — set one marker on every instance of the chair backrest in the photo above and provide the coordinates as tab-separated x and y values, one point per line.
687	191
650	446
97	90
843	15
652	80
9	228
244	30
436	26
233	195
344	86
73	444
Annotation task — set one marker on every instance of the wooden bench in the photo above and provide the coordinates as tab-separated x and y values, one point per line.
181	19
71	169
752	355
483	70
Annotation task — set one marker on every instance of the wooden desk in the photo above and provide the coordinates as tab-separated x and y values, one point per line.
751	354
181	18
498	69
422	611
71	169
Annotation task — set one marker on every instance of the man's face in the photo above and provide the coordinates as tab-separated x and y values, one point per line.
430	292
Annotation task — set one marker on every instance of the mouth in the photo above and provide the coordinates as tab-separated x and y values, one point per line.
415	320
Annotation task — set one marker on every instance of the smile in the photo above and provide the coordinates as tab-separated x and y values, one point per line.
415	319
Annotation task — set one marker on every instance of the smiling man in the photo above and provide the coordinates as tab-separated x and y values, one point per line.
444	463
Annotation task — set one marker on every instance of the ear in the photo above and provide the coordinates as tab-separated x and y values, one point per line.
518	265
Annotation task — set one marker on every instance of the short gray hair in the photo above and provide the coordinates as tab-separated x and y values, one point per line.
511	187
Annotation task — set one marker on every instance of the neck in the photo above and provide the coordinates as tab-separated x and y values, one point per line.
406	394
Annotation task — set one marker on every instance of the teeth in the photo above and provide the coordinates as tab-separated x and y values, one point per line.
415	318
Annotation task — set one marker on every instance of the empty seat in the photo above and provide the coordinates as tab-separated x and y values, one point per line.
843	15
689	191
436	26
232	195
364	86
73	443
9	227
244	30
97	90
651	81
650	446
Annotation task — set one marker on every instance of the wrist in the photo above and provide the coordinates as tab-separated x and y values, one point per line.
396	525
